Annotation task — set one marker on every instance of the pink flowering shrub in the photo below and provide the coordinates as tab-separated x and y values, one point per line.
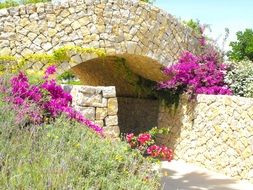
197	75
145	143
44	101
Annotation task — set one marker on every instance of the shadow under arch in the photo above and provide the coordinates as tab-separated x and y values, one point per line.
134	77
130	74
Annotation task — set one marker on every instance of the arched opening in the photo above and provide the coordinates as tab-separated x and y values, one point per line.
135	78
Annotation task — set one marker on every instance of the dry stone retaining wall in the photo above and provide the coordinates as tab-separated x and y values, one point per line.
215	132
99	104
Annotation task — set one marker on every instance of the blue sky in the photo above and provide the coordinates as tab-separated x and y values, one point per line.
219	14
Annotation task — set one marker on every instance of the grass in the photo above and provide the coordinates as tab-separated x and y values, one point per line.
66	155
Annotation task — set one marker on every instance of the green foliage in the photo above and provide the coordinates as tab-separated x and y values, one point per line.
147	87
58	56
243	47
14	3
8	3
240	78
66	76
148	1
194	25
66	155
24	2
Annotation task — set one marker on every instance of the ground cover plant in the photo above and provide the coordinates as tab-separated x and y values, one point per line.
66	155
45	143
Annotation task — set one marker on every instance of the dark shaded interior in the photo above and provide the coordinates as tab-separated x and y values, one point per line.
137	115
134	78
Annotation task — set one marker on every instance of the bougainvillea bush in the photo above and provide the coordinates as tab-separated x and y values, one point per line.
195	74
43	101
145	143
63	154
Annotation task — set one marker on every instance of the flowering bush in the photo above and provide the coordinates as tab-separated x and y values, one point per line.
145	143
240	78
50	99
197	75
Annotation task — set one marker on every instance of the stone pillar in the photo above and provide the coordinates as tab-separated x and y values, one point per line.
97	103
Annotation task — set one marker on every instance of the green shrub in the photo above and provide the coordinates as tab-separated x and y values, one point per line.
148	1
8	3
243	47
14	3
66	155
240	78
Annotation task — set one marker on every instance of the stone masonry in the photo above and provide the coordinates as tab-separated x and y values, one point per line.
99	104
215	132
117	26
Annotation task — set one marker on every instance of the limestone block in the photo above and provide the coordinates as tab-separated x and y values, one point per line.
111	120
88	112
5	51
99	122
89	90
112	106
109	92
75	25
47	46
52	32
112	131
3	12
101	113
90	100
26	51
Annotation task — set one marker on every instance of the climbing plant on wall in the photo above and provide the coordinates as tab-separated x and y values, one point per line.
14	64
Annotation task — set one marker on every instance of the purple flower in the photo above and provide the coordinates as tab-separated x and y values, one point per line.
50	71
197	75
46	100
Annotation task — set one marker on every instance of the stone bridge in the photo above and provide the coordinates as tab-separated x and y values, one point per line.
143	36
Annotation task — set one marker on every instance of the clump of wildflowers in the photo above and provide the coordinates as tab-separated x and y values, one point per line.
44	101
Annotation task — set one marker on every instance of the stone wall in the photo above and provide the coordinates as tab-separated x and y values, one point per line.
215	132
99	104
146	37
118	26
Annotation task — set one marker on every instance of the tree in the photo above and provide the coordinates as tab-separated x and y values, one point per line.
243	47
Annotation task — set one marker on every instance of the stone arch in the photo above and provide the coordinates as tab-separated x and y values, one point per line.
146	37
117	26
122	71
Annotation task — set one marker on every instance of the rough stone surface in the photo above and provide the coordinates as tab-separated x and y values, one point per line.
215	132
120	27
88	100
112	106
111	120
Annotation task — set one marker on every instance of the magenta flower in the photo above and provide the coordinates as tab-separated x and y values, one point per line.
46	100
197	75
144	138
50	71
